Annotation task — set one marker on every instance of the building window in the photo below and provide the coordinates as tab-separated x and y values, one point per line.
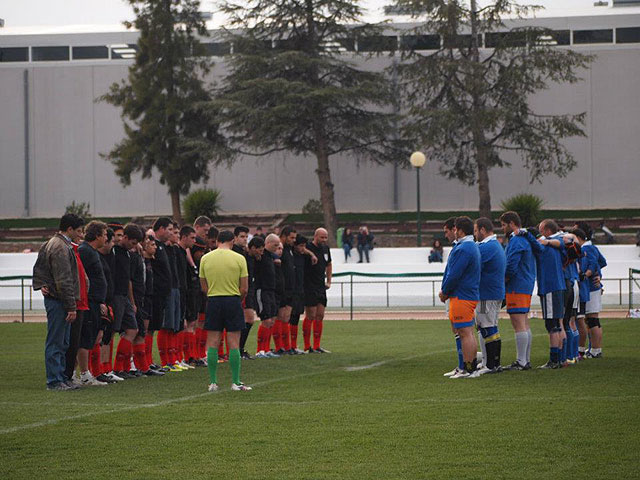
378	43
85	53
628	35
14	54
217	49
507	39
553	38
460	41
592	36
125	51
420	42
48	54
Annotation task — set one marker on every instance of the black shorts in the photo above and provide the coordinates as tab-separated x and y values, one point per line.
224	313
286	300
582	309
90	326
268	308
251	301
315	297
297	307
124	317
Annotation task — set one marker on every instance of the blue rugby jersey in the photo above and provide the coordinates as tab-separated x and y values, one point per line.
462	274
548	265
493	265
520	272
594	261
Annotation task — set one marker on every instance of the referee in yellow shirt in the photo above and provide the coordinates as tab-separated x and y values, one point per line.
225	280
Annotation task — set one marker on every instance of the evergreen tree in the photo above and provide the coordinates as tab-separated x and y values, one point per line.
163	128
469	107
293	86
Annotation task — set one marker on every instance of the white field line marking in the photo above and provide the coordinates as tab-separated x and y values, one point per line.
54	421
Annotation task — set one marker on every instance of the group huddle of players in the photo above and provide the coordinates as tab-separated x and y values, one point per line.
140	283
481	277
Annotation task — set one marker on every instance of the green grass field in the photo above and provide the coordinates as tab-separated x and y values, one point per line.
313	417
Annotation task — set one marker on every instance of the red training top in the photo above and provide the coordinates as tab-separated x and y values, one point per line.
83	303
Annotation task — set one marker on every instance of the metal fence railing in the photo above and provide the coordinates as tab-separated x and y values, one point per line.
354	280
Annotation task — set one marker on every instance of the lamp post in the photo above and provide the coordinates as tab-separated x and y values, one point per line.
418	160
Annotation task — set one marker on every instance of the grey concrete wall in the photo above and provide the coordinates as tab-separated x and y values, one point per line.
69	131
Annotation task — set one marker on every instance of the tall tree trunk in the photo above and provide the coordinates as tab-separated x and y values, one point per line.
479	138
175	207
326	187
484	194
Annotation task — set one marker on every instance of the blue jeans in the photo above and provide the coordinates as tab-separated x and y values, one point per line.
57	342
172	313
364	249
347	250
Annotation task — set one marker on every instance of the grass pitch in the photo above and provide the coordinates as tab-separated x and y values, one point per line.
378	407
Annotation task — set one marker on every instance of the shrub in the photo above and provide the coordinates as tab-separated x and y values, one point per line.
312	207
81	209
527	205
201	202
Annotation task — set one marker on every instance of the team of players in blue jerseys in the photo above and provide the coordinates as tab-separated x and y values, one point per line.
481	277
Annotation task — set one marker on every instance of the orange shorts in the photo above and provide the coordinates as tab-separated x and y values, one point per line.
462	312
518	303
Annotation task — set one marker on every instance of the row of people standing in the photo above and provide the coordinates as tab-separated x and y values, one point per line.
363	241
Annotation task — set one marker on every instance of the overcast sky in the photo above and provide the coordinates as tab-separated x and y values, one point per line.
20	13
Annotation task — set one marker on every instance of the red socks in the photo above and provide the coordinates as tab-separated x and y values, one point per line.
277	336
284	335
201	342
163	346
293	334
306	332
148	347
263	338
140	357
317	333
94	360
123	355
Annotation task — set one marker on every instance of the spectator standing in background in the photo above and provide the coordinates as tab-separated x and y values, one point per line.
56	274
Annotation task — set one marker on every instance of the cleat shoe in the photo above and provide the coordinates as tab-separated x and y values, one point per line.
322	350
136	373
59	387
271	354
474	374
460	374
115	377
103	378
240	387
571	361
199	363
245	355
154	366
593	355
125	375
549	366
484	370
311	350
179	367
213	387
297	351
87	379
516	366
154	373
280	351
72	385
261	354
452	372
204	361
185	365
172	368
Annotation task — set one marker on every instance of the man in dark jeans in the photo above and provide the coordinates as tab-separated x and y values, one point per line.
56	274
365	243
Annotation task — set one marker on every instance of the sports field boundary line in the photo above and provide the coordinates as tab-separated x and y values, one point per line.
170	401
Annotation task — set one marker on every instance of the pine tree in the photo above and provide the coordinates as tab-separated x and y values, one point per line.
470	106
164	129
293	86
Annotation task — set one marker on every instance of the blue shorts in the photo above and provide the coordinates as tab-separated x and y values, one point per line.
552	305
224	313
